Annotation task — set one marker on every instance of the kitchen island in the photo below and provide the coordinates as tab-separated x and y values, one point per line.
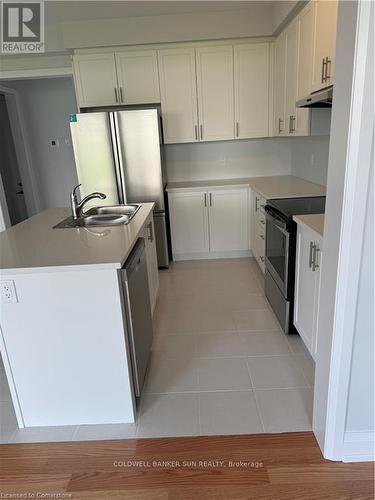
63	336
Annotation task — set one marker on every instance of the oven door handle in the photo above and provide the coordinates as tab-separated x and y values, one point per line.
284	231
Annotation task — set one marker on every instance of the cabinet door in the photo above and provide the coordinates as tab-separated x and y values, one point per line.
251	89
297	119
305	50
215	92
138	77
152	261
305	286
325	22
95	79
189	222
178	95
279	85
229	220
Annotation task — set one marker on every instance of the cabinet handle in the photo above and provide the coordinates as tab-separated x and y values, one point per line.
315	264
292	126
210	199
327	76
201	127
262	259
261	236
262	222
256	204
196	132
237	129
151	233
121	97
205	199
116	96
323	70
280	122
311	254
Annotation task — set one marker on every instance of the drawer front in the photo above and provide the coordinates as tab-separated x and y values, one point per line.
260	203
260	244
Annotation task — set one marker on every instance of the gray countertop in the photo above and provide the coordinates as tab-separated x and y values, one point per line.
33	245
312	221
278	186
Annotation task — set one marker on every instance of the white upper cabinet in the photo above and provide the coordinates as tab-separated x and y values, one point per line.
178	95
215	92
251	90
189	222
305	50
229	220
279	85
95	79
297	120
137	74
325	22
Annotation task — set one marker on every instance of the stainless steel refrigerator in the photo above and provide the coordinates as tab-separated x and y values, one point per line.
120	154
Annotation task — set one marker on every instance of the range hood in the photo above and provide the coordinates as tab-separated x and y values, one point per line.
320	99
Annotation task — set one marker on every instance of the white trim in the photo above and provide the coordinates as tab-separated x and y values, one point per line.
24	74
359	446
212	255
330	407
4	212
11	383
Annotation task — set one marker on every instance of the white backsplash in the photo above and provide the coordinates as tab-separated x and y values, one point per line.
228	159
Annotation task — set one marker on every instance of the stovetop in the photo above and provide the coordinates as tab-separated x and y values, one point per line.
299	206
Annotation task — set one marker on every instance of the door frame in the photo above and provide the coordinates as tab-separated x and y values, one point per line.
348	178
24	158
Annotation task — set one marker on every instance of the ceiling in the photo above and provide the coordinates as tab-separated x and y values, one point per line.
73	10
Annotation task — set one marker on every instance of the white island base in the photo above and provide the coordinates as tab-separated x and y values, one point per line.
64	340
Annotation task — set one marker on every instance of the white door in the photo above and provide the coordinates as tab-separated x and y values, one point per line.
325	27
215	92
297	119
251	89
178	94
305	285
229	220
279	85
95	79
189	222
138	77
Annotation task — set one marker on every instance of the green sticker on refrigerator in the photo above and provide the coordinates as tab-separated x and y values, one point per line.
73	118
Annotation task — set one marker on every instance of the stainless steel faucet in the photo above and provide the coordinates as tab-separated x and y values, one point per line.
77	208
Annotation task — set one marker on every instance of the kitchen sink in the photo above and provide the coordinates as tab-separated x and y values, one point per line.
115	215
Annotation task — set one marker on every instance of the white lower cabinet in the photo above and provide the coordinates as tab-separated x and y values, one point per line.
152	261
307	285
209	222
189	222
258	229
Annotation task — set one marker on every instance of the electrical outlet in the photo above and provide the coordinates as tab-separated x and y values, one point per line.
8	292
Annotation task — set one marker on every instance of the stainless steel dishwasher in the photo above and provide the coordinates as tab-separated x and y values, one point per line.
138	312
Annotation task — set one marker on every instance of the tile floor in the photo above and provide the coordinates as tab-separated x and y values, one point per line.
219	365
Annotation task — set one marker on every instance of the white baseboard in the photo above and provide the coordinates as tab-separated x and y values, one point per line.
212	255
359	446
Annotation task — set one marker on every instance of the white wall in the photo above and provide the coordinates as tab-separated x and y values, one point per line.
256	20
309	158
282	11
361	404
46	105
227	159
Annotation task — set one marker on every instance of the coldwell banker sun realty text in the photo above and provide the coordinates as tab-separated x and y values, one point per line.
22	27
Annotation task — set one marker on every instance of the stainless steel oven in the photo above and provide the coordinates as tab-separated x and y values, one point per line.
280	253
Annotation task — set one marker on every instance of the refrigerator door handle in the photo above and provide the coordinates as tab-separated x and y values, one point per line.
121	187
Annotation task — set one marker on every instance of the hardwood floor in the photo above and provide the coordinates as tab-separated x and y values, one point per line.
268	466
